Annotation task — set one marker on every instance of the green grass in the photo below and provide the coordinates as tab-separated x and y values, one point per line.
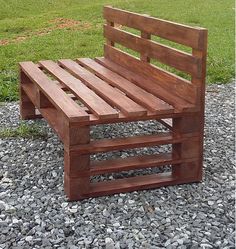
28	17
23	130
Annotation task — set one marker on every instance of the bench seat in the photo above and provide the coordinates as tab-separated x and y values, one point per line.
98	91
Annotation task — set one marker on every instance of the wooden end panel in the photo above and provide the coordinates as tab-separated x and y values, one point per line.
54	93
135	92
87	96
172	31
103	89
167	55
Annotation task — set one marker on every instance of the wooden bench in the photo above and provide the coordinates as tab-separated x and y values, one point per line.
72	95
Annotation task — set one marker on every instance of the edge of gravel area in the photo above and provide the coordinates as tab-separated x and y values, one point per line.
34	212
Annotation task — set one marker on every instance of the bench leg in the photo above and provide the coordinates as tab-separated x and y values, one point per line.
76	167
27	108
190	149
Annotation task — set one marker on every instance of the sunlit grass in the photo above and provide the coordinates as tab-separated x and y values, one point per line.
27	18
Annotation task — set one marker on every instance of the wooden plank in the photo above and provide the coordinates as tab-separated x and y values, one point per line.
167	122
110	42
103	89
165	54
84	94
130	184
134	184
54	93
104	145
170	82
50	114
143	56
135	92
172	31
147	84
130	163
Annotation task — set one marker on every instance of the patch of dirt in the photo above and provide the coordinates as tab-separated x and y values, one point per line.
57	24
4	42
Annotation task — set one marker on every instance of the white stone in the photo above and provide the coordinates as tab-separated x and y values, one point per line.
64	204
116	224
109	243
28	238
210	203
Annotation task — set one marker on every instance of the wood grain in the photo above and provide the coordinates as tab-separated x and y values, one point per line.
172	31
84	94
170	82
135	92
103	89
167	55
149	85
53	92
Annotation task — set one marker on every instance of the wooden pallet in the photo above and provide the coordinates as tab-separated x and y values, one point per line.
72	95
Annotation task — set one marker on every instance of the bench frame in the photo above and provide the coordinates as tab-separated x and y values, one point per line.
184	118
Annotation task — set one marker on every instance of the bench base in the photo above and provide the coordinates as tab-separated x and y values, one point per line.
185	135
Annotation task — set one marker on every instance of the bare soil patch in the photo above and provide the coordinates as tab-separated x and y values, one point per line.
57	24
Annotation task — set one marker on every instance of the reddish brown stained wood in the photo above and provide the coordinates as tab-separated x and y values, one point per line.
172	83
131	163
54	93
149	85
167	122
104	145
143	56
172	31
133	91
107	92
134	183
128	84
167	55
84	94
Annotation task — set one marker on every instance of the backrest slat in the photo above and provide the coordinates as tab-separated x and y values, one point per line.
168	81
175	32
150	49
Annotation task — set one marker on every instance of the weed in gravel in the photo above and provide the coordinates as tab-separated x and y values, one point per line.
23	130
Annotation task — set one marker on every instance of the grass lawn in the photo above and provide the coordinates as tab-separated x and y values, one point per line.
53	29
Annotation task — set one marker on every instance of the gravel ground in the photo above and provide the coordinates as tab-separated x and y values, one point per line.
34	213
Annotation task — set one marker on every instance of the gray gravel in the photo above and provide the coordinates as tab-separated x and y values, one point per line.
34	213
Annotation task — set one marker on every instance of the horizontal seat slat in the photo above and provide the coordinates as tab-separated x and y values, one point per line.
104	145
172	31
84	94
172	83
148	85
54	93
167	55
107	92
137	93
130	163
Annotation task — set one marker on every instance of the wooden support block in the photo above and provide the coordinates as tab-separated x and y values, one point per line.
76	167
190	148
27	107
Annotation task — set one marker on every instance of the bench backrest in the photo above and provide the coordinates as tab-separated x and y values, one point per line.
193	64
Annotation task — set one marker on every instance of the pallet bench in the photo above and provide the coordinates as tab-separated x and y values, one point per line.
72	95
